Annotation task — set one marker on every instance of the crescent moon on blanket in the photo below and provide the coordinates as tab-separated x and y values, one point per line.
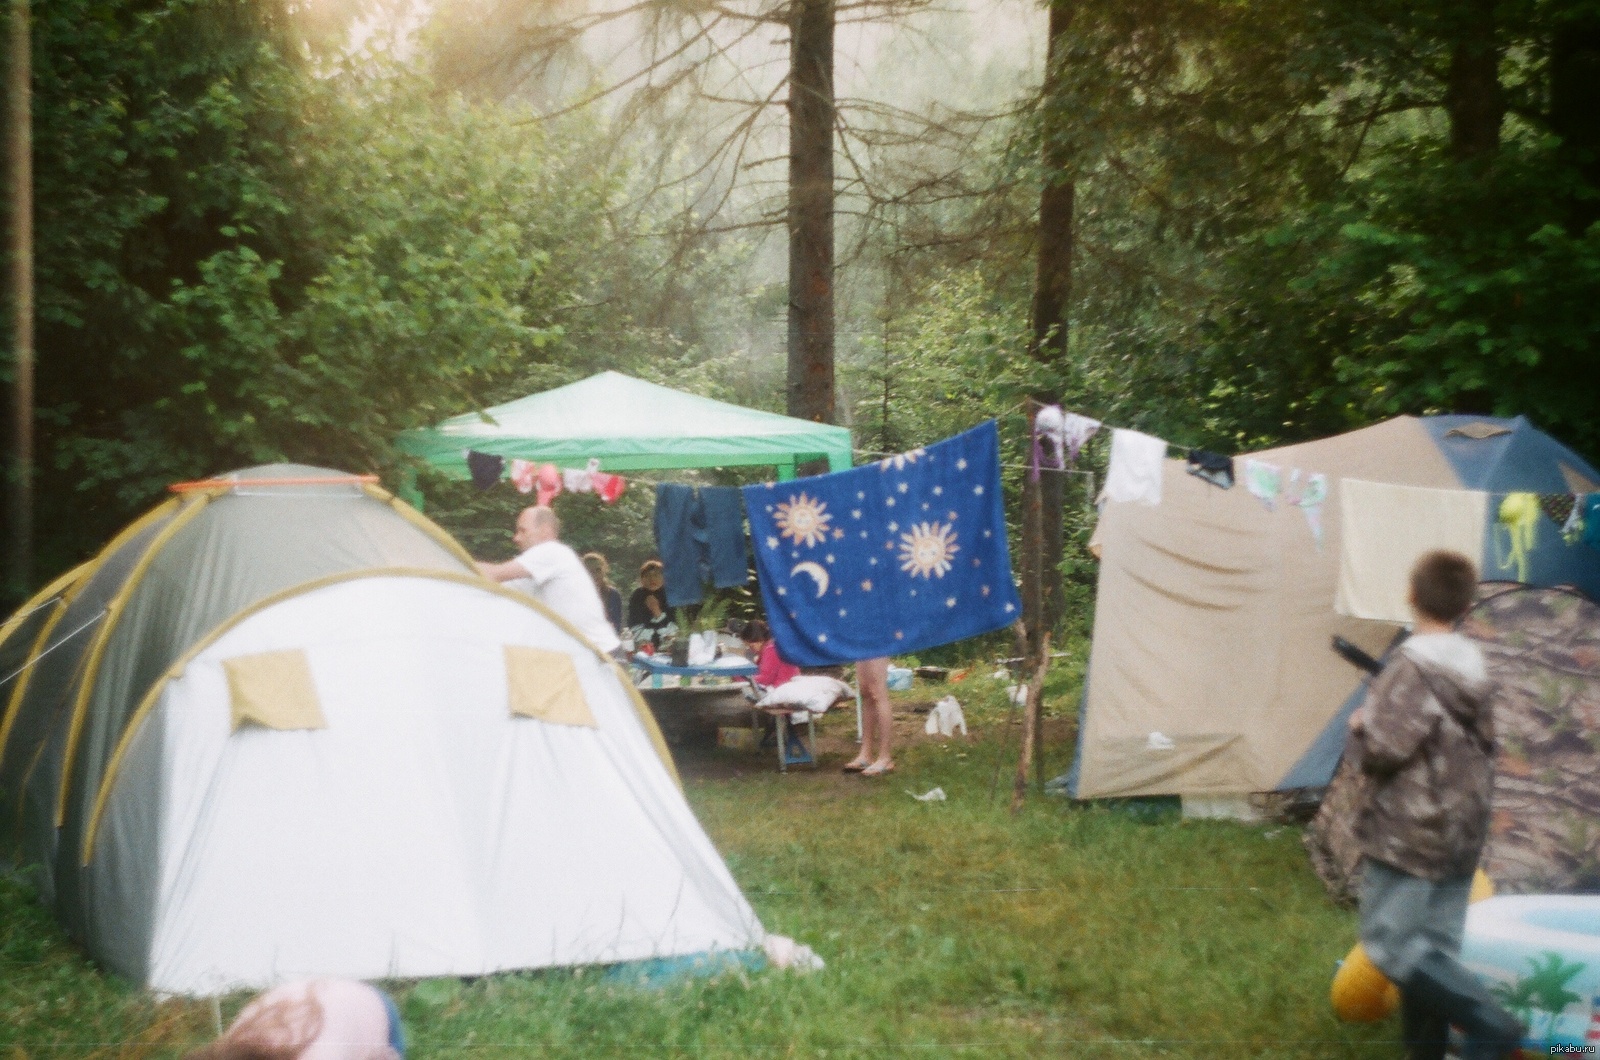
817	571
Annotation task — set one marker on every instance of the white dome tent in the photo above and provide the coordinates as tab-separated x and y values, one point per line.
280	728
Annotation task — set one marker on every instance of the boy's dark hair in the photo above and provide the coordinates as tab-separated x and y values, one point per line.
755	631
1443	584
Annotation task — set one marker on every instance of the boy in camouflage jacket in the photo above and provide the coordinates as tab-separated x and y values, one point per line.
1425	737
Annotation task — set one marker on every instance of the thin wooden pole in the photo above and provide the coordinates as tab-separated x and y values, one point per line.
1030	716
19	482
1019	629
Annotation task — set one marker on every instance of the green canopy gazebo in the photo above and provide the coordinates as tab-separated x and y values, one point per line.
628	425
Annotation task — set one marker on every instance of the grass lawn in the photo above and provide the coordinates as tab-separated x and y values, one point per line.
949	929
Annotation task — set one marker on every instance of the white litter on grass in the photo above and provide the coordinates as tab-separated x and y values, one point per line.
945	718
785	952
931	795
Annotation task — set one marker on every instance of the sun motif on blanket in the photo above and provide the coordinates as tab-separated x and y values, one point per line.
900	460
803	520
927	551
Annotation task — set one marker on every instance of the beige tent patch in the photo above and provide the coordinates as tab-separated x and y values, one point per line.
544	684
1478	431
274	689
1577	481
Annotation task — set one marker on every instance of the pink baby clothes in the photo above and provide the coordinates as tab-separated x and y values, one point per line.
523	475
548	484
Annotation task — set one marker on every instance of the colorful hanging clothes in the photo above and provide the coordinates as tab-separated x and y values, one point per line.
547	485
1572	529
1137	461
1558	506
1591	520
1310	502
1063	433
1212	467
579	479
1263	480
893	557
608	487
1384	528
485	468
1048	426
1519	517
524	475
1077	430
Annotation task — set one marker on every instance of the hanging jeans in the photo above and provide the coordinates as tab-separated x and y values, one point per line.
700	536
725	541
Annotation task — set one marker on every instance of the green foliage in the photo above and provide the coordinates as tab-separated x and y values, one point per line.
1432	286
243	260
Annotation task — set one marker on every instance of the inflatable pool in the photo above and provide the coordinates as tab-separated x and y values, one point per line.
1540	955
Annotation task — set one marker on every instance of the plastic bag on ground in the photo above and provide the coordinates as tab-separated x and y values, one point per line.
945	718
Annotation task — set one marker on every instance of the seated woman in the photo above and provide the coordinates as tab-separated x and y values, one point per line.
600	570
319	1019
652	586
771	668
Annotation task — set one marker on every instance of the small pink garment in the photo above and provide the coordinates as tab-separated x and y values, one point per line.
523	474
609	487
548	484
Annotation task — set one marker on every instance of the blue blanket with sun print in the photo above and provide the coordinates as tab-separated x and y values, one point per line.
897	556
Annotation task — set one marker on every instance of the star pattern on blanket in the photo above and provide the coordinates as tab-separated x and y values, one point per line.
933	514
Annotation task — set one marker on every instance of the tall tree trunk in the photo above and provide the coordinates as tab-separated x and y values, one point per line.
1575	104
1473	97
1052	297
810	389
19	158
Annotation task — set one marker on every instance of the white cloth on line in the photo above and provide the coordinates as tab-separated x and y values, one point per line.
1136	466
1385	528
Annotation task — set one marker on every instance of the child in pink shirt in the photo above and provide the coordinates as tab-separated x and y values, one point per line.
771	669
317	1019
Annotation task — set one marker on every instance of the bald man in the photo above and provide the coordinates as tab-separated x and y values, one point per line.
553	574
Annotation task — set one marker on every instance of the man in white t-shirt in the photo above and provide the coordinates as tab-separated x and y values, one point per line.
552	573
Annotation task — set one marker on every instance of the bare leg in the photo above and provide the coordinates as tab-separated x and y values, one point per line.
869	724
877	716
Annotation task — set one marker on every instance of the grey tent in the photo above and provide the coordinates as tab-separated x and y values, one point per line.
281	727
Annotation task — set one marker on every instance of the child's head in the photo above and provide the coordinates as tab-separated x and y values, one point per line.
755	632
279	1030
1442	585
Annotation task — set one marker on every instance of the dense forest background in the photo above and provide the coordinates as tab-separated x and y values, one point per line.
271	230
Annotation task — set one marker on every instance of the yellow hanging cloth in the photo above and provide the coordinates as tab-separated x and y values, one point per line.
1519	514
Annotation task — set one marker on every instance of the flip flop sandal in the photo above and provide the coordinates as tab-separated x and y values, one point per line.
877	770
854	767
